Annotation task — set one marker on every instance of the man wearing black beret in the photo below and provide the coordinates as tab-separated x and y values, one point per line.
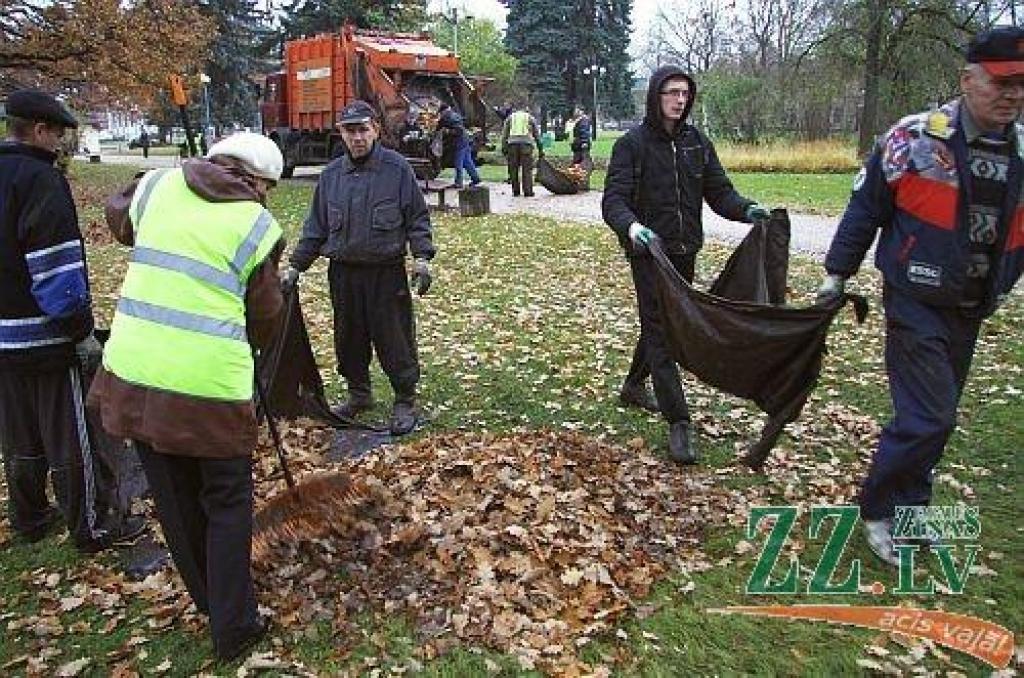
46	326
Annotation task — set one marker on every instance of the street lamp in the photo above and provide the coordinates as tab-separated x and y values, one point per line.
454	19
205	79
595	71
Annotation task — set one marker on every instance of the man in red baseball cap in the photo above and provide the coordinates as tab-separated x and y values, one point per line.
993	80
942	191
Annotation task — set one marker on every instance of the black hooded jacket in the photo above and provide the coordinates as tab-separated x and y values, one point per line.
661	180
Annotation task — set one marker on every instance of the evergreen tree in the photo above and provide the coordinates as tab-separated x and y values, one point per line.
241	26
309	17
555	42
537	35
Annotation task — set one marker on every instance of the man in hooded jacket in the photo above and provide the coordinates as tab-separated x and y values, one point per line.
659	175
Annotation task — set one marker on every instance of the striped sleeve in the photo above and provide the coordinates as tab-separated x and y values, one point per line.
54	252
59	282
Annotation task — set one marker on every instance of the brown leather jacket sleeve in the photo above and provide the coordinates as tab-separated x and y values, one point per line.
116	213
263	301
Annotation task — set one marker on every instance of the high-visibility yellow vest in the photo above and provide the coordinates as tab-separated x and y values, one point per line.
519	125
180	321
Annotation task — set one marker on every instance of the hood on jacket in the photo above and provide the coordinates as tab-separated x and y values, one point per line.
653	118
221	180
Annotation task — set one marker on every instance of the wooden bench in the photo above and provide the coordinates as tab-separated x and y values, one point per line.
429	186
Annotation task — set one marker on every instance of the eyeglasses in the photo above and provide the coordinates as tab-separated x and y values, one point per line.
677	93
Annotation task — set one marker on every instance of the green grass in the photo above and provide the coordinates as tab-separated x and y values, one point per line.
526	312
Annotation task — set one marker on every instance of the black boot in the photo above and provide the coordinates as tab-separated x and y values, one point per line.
403	417
681	447
353	406
638	396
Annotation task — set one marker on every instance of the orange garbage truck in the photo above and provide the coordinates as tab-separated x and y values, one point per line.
405	76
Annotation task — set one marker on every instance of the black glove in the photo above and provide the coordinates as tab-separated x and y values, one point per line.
89	352
289	279
421	276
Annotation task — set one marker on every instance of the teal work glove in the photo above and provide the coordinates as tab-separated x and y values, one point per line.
832	287
640	236
756	213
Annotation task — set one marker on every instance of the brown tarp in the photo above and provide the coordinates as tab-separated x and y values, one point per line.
741	338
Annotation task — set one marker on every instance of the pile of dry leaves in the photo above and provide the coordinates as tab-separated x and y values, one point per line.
528	543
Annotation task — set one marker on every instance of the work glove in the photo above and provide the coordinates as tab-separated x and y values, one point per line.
89	352
756	213
289	279
832	287
421	276
640	236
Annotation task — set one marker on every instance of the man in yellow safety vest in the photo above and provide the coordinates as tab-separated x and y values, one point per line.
177	378
519	134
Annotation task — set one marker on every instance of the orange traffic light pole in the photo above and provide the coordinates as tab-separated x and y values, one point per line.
180	97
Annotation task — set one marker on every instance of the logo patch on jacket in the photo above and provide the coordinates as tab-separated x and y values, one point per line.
924	274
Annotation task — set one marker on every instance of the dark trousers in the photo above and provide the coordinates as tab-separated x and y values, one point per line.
205	508
651	356
520	168
928	354
373	312
43	431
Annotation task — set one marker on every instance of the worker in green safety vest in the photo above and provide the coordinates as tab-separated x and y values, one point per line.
200	293
519	134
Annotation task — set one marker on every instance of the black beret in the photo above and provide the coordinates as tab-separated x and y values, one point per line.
356	112
31	104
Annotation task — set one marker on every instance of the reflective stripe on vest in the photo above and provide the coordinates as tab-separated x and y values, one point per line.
520	125
180	325
141	198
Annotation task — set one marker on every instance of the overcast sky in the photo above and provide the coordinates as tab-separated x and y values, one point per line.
643	12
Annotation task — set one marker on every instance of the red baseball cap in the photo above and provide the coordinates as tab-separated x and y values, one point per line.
1000	51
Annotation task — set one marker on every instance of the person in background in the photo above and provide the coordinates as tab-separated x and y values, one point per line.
453	124
519	135
582	136
942	190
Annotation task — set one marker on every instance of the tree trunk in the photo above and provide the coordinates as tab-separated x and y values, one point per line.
872	66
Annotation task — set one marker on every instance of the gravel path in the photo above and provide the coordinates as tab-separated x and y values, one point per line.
810	234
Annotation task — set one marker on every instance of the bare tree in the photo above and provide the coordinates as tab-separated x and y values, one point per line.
688	34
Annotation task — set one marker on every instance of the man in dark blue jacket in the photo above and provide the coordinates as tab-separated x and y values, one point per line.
943	191
367	212
659	176
46	326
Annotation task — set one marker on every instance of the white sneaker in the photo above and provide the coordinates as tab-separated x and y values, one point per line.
878	534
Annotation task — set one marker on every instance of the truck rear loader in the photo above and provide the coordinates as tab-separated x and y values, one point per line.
404	76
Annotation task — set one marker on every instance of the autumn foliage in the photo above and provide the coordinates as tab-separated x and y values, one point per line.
101	50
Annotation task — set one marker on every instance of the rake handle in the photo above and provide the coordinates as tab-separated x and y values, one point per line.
274	433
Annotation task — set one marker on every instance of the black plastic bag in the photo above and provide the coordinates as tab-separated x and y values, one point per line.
766	353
